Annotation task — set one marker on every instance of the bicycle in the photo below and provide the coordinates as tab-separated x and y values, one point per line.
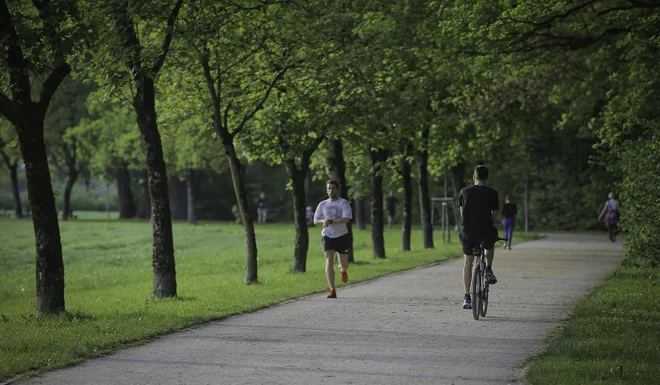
480	286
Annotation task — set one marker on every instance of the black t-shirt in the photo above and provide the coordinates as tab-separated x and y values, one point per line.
478	202
261	203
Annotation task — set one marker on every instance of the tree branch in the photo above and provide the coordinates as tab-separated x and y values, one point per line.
261	102
13	53
168	37
50	86
129	40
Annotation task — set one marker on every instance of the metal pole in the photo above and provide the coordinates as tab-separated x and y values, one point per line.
448	228
444	207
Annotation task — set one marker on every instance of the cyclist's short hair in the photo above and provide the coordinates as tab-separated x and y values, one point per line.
481	172
332	181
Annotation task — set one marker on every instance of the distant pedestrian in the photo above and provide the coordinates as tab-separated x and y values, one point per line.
262	209
333	214
390	204
4	212
509	212
612	217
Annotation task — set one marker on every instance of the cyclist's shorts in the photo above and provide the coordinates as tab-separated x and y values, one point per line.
468	245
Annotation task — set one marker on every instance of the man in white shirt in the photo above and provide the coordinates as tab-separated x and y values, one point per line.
333	214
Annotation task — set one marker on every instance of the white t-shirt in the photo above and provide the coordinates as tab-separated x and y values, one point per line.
612	204
337	209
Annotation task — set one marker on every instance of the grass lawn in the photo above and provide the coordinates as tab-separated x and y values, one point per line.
108	280
612	336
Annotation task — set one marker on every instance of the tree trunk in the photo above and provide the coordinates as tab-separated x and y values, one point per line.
297	177
18	207
191	197
49	263
377	223
337	167
360	216
145	200
125	195
406	226
28	119
238	177
71	180
424	196
178	198
163	244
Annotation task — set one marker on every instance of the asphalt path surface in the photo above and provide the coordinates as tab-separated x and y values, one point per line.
406	328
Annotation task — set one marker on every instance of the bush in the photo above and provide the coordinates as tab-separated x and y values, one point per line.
640	207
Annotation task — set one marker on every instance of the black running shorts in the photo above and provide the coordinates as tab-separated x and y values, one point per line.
340	244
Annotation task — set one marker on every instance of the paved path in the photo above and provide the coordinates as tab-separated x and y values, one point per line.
406	328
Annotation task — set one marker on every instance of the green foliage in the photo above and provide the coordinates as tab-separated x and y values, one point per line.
640	169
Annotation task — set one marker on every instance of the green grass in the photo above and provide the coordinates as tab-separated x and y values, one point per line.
108	279
612	336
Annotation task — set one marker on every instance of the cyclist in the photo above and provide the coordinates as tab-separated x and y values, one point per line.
477	204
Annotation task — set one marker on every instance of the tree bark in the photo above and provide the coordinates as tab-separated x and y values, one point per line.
297	177
406	226
360	215
337	167
191	197
163	244
424	195
127	207
71	180
377	223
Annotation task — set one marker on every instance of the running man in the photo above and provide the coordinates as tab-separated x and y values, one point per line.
477	204
333	214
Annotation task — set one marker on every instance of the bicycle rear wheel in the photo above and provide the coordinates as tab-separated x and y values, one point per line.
476	289
484	299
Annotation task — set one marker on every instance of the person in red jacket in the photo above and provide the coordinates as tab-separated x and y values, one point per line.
509	211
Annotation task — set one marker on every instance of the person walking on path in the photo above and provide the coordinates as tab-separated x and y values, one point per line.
477	204
612	207
391	203
262	209
509	211
333	214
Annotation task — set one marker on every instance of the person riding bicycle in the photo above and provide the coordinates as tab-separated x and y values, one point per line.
477	204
